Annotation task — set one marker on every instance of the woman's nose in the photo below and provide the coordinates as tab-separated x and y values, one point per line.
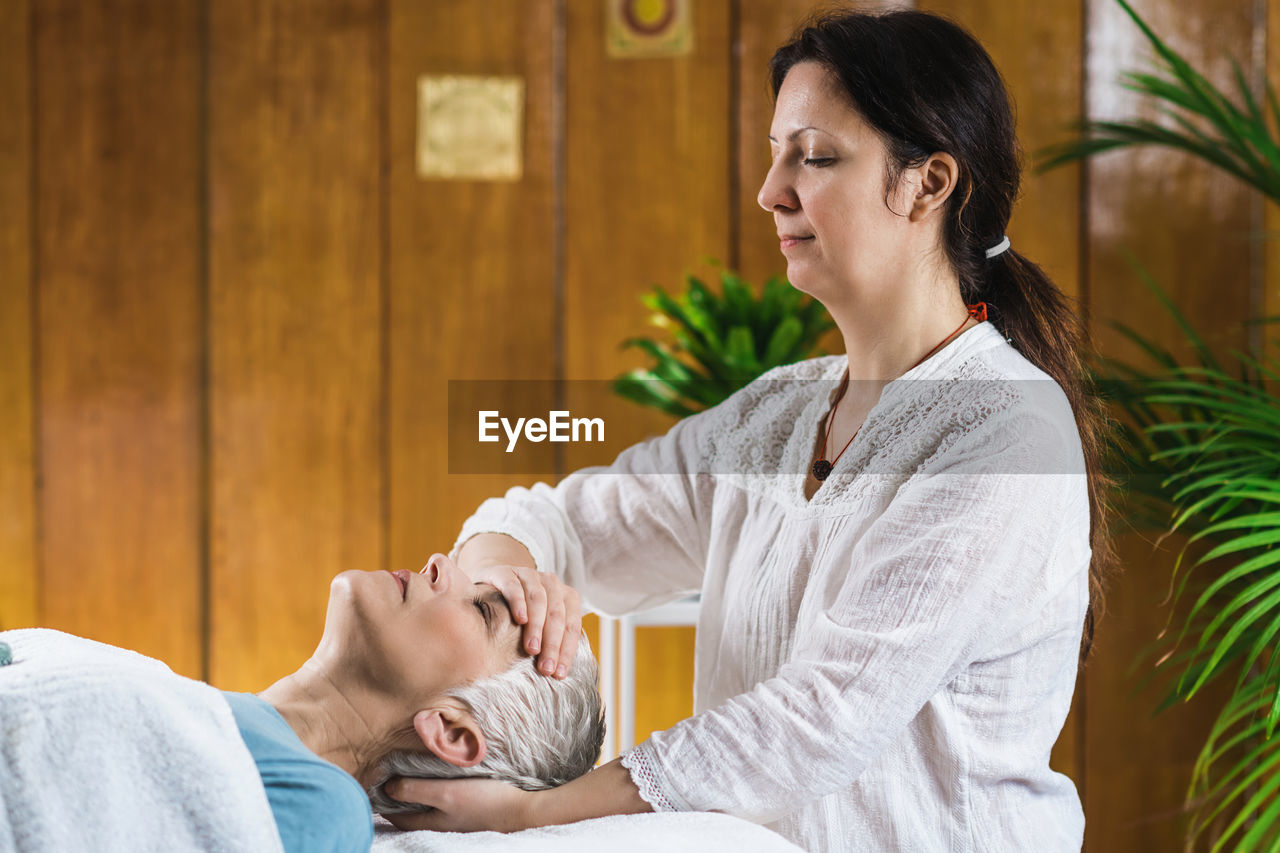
775	193
437	572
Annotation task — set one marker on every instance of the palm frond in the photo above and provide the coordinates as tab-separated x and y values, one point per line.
1229	130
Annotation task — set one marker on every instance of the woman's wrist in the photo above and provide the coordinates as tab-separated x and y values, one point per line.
607	790
485	550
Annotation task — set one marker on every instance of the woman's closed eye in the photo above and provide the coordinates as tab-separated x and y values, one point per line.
818	162
487	600
486	612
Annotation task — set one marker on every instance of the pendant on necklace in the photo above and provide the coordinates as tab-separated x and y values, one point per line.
821	469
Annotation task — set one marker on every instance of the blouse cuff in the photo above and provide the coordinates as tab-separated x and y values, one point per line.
644	773
469	530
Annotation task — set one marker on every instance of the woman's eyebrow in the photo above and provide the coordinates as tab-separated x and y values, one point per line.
799	130
495	603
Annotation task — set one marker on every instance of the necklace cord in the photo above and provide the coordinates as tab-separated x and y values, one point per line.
821	467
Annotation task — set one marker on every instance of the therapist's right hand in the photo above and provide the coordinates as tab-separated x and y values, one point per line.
549	609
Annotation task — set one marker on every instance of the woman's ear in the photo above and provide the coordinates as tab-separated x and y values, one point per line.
938	178
451	733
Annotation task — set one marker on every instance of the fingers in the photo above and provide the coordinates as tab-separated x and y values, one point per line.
414	821
425	792
572	634
422	792
550	611
508	582
461	805
560	634
535	594
552	638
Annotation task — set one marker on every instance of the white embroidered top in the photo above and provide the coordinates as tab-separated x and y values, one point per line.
885	666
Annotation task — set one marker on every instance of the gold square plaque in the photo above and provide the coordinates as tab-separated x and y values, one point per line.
636	29
470	128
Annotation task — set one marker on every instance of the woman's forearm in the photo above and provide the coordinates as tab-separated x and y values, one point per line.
492	549
607	790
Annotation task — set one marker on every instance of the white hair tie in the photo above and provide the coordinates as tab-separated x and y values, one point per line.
999	248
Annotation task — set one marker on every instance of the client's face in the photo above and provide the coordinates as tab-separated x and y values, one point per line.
414	636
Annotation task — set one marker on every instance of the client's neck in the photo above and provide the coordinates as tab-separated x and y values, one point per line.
332	719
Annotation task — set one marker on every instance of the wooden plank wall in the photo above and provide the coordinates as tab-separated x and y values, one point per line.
231	308
117	331
18	576
472	263
295	321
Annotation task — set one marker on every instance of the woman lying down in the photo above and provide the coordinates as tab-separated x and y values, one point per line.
415	675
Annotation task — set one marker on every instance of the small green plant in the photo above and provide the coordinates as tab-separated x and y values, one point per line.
720	342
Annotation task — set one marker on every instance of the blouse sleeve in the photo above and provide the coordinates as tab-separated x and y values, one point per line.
627	537
959	560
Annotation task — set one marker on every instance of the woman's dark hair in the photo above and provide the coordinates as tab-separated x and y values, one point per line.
927	86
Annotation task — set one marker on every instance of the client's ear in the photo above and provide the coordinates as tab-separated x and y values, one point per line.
451	733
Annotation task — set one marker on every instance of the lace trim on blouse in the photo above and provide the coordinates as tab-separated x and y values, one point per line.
646	778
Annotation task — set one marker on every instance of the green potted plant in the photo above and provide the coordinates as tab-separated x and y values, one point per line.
715	343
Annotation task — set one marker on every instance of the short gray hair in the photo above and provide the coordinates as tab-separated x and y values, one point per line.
539	732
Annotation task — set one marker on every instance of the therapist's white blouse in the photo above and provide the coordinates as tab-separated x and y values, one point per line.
885	666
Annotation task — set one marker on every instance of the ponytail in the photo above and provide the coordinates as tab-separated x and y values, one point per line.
1037	318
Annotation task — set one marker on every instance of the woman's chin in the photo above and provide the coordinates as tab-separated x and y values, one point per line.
807	283
344	584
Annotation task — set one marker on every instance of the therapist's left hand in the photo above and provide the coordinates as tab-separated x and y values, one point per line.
462	805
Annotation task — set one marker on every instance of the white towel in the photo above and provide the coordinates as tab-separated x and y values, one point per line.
669	832
104	749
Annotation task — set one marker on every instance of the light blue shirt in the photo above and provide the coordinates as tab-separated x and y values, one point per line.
318	807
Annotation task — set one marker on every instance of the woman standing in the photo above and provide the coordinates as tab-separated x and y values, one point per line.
897	549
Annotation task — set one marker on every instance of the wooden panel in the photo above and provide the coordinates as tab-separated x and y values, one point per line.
664	678
295	324
1190	227
1270	297
119	322
471	262
1038	50
647	184
17	439
647	198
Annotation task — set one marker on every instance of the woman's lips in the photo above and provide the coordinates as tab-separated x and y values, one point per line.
402	578
788	241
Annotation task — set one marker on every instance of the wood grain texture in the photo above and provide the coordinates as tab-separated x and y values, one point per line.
18	579
1190	227
1270	280
296	218
472	293
647	184
664	678
119	319
647	198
